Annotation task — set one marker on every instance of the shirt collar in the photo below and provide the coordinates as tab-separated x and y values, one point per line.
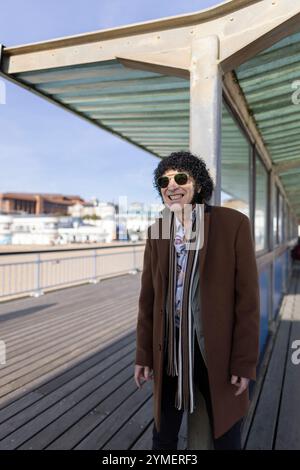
192	217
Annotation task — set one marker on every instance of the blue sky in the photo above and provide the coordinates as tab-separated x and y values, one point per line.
46	149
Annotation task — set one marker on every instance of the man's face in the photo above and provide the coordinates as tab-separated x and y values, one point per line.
175	195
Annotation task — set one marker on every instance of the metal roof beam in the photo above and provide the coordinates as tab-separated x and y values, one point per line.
256	28
244	28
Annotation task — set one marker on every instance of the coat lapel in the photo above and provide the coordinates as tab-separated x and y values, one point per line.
163	245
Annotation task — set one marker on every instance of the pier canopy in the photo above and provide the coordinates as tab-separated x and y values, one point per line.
270	82
160	84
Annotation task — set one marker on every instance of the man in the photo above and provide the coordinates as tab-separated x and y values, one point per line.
198	319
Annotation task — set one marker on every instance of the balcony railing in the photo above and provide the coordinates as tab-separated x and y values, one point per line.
34	272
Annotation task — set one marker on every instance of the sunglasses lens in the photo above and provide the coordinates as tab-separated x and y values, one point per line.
181	178
163	181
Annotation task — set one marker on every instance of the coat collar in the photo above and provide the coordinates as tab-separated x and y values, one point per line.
164	243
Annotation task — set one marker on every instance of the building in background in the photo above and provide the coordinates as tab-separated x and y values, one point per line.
34	203
84	222
93	209
49	230
5	229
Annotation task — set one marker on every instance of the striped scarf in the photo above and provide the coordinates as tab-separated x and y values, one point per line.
180	348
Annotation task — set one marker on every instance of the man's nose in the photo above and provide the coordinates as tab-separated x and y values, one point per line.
172	183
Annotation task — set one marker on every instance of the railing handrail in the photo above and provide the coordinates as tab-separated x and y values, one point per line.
60	250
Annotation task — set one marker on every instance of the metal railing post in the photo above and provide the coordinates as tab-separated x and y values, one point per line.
2	352
94	279
134	269
38	291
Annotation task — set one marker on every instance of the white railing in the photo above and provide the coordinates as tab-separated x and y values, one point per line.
34	272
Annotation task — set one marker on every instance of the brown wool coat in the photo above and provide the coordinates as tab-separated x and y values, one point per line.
229	296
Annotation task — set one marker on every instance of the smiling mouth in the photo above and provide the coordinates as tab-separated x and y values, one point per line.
175	197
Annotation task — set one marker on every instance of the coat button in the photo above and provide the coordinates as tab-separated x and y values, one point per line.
159	347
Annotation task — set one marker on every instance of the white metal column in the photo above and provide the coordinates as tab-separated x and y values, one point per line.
206	107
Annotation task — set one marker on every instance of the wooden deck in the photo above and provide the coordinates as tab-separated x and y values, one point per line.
68	382
275	423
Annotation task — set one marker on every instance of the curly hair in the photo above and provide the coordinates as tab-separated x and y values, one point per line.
194	166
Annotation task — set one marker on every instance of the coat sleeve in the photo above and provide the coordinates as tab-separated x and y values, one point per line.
245	340
144	331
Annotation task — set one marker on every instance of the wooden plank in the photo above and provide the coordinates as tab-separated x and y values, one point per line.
48	386
56	314
100	386
288	431
61	336
33	339
263	428
128	434
119	346
61	360
60	393
86	295
20	347
98	325
97	405
117	420
14	407
89	348
44	315
104	325
123	402
145	441
29	342
94	404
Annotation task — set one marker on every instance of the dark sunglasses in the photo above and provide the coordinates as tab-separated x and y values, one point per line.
180	178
